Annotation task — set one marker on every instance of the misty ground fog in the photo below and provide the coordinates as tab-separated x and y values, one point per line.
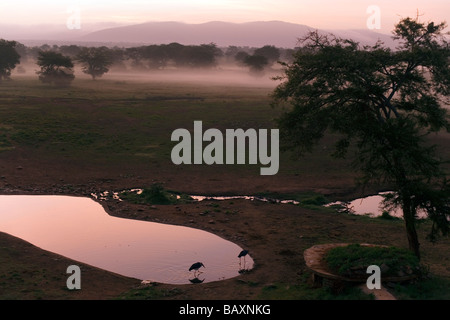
224	75
206	77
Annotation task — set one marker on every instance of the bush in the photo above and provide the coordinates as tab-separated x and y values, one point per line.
55	68
353	260
156	194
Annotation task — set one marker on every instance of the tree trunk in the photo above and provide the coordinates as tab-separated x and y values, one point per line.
408	215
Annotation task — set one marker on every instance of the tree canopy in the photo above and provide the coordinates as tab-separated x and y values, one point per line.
9	58
55	68
384	102
271	53
256	63
95	61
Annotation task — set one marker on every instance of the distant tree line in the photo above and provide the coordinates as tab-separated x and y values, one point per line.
57	62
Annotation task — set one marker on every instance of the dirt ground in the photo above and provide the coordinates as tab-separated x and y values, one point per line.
275	234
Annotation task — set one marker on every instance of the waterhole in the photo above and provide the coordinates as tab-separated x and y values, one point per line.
80	229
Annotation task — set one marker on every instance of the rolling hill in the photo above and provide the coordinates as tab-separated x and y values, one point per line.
253	34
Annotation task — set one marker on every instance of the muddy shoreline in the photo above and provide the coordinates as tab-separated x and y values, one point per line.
233	227
275	234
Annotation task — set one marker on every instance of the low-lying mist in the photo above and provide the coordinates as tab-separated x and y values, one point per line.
206	77
227	76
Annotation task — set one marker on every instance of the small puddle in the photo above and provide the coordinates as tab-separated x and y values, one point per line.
80	229
116	195
252	198
372	207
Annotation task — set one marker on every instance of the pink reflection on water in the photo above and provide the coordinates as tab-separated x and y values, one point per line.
80	229
369	205
372	206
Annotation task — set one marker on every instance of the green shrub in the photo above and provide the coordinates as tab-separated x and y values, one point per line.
387	216
353	260
156	194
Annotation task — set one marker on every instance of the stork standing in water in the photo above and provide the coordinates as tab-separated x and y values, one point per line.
243	253
195	267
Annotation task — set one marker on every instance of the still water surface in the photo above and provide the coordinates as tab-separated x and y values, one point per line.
372	206
80	229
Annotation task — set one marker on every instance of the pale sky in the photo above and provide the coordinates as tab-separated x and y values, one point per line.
325	14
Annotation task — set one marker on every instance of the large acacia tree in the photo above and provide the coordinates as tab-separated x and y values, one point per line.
55	68
383	103
9	58
95	61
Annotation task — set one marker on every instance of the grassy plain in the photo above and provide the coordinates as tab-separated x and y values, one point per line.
114	133
124	127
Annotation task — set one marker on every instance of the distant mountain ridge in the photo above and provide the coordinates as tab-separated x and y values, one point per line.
252	34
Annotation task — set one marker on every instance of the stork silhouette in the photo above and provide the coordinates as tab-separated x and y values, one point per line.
195	267
243	253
